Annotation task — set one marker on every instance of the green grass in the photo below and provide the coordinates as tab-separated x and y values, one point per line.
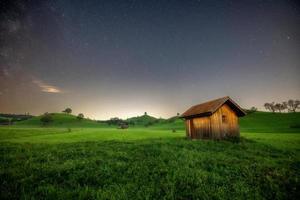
256	122
98	162
61	120
270	122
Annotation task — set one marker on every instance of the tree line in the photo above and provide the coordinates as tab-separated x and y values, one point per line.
9	119
290	106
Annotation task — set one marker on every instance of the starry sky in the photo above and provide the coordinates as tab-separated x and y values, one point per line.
126	57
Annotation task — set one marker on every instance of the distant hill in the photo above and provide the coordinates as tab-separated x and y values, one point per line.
254	122
68	120
171	123
270	122
62	120
144	120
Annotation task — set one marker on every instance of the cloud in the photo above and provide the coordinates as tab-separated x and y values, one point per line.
46	87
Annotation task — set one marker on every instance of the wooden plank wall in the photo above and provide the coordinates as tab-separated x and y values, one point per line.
232	121
213	126
201	127
230	128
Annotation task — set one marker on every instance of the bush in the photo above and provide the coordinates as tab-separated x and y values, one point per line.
68	110
80	116
4	121
251	110
46	118
115	121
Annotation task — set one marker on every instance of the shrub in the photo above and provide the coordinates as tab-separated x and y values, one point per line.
80	116
67	110
5	121
251	110
46	118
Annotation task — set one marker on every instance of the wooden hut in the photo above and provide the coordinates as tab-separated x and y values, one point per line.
214	119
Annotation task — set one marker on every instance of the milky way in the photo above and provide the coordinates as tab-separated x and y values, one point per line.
122	58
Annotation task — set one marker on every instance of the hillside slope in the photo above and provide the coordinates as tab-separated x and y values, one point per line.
270	122
61	120
255	122
144	120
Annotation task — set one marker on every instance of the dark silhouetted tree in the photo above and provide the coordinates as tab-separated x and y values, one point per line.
251	110
277	107
293	105
145	113
115	121
267	106
282	107
297	105
270	106
68	110
285	105
80	116
46	118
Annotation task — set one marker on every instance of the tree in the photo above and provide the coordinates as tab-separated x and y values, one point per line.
293	105
67	110
145	113
178	114
297	104
46	118
80	116
270	106
5	121
277	107
285	105
251	110
282	106
115	121
267	106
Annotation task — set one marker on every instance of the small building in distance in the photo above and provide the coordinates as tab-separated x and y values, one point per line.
216	119
123	126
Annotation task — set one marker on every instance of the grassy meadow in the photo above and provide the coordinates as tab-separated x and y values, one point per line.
72	159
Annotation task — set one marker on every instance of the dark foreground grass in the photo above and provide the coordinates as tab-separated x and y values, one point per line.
165	168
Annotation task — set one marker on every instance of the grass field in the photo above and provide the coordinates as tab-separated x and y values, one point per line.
95	161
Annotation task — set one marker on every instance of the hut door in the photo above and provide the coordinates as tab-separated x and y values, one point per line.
224	126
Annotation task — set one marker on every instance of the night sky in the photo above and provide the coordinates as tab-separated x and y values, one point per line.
123	58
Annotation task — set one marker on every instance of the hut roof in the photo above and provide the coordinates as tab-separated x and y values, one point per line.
208	108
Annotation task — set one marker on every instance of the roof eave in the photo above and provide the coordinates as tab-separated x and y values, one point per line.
197	115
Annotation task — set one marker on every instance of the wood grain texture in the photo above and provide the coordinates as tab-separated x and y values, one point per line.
221	124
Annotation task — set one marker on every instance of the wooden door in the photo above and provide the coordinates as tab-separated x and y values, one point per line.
225	125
